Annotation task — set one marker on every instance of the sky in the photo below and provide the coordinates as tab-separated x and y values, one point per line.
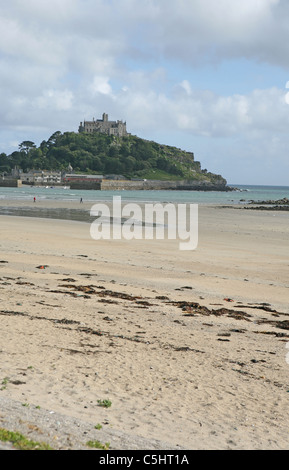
210	77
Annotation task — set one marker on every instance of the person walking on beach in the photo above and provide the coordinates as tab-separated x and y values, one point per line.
81	200
34	199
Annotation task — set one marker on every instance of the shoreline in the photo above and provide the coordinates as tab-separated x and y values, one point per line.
74	210
190	347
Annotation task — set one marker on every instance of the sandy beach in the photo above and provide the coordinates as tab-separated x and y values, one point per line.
188	347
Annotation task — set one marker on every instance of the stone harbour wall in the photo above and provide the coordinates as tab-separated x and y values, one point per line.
10	183
162	185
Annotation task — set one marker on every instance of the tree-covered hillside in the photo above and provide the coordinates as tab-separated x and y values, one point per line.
129	156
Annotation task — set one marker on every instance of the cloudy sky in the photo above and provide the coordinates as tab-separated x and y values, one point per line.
203	75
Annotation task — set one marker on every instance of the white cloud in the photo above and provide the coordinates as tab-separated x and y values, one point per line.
205	113
101	85
55	99
208	31
186	86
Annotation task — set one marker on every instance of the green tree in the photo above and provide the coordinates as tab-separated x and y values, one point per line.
5	163
26	146
53	138
97	165
113	151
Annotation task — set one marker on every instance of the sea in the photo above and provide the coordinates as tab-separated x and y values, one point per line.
240	195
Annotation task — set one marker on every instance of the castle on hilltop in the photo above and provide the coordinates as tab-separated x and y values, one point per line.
104	126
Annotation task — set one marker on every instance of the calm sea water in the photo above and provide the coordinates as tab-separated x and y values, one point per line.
27	193
244	193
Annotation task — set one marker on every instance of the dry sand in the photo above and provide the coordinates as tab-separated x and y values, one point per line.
188	346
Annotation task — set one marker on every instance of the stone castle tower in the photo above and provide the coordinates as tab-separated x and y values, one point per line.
104	126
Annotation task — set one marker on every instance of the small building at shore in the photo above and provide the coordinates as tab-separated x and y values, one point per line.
41	177
34	177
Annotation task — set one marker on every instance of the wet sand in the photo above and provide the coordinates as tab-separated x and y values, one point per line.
189	347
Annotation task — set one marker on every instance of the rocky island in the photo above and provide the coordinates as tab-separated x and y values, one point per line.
102	152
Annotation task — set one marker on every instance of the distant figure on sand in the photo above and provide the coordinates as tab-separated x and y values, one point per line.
34	199
81	200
